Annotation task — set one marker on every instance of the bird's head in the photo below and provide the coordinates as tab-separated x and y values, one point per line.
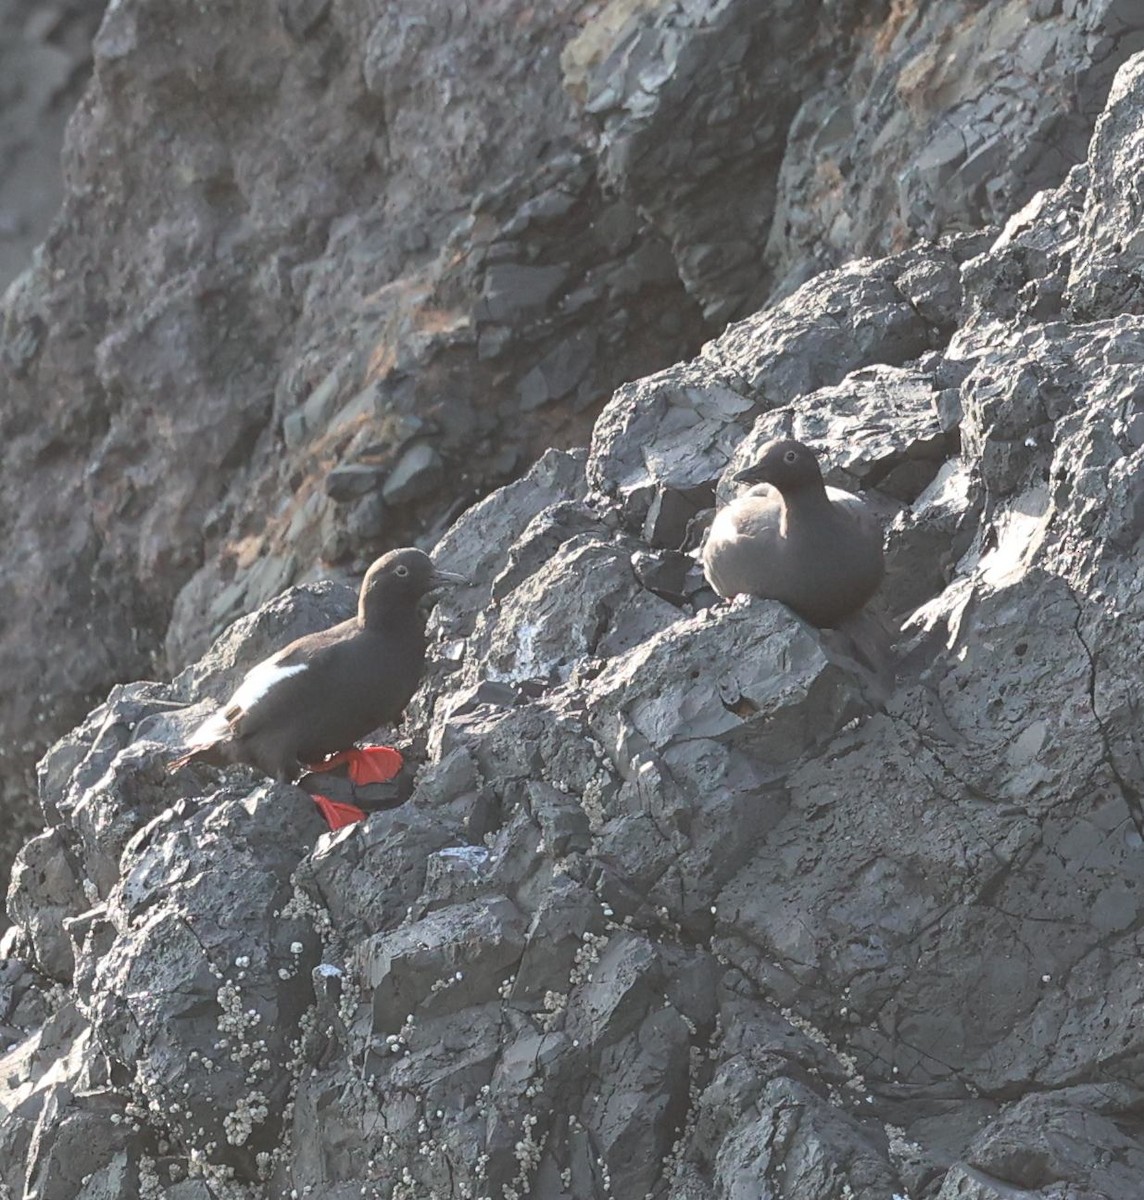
787	465
397	581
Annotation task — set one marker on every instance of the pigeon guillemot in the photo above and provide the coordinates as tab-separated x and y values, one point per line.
791	538
321	693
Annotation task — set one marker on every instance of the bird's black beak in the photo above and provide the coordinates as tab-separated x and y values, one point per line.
445	579
748	475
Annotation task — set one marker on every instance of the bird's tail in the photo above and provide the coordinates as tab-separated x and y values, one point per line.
191	755
204	744
206	752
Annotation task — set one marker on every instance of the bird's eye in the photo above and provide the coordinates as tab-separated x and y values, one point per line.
402	570
790	456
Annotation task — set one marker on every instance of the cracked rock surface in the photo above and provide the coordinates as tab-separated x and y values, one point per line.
689	901
324	275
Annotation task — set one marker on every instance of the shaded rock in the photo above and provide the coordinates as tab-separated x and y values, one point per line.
294	337
353	481
467	246
512	290
531	633
315	413
912	142
670	514
418	472
476	546
45	61
802	1143
370	882
436	964
753	674
46	887
1044	1145
651	431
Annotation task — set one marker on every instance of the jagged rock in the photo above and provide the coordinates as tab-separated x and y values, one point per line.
720	904
437	964
681	428
1103	280
294	337
418	472
353	481
1063	1143
203	1017
469	255
532	634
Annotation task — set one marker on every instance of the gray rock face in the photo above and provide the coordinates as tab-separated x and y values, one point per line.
45	59
689	901
749	146
410	249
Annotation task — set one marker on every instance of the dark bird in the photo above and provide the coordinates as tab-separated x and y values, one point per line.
817	549
324	691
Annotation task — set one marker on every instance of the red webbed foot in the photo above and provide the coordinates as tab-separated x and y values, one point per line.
347	778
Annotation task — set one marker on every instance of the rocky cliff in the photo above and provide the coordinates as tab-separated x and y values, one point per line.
327	273
688	901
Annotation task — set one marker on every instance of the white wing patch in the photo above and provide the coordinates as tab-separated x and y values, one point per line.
212	730
257	682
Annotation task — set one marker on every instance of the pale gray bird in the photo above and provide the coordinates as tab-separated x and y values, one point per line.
791	538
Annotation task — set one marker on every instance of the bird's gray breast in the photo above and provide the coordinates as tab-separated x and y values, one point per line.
825	563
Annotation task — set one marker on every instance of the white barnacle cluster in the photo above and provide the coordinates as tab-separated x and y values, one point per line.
900	1147
235	1021
554	1005
504	989
218	1176
300	906
236	1025
150	1185
301	1045
586	957
604	1174
668	921
447	981
527	1151
592	802
803	1025
396	1044
482	1103
239	1123
854	1080
406	1186
349	1000
672	1163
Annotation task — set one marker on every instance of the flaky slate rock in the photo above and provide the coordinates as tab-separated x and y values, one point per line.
601	179
1057	1144
735	906
432	965
584	601
1103	280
